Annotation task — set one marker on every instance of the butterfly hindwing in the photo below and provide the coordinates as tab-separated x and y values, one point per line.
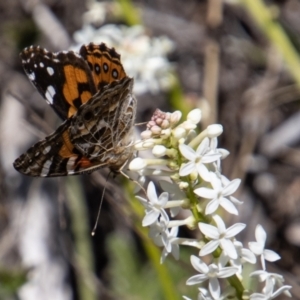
104	64
54	156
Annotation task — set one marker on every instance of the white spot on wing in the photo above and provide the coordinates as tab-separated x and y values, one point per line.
46	167
50	71
31	76
47	149
50	92
42	65
70	164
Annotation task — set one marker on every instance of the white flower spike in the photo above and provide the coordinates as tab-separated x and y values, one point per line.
184	175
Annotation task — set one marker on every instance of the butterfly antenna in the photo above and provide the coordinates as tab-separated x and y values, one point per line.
140	124
131	179
100	206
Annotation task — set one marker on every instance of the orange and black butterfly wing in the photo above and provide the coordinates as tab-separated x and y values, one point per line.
54	156
104	63
63	78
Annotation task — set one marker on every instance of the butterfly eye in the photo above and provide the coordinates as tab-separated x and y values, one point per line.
88	115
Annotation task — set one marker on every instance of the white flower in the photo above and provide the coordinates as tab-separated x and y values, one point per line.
220	236
155	206
204	294
197	159
213	148
244	255
158	232
258	247
219	194
268	291
170	246
162	236
277	279
211	273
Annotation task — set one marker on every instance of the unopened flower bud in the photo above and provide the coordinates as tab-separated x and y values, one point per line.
179	133
159	150
214	130
175	117
165	133
194	116
183	185
188	125
156	130
158	121
165	124
194	175
146	134
137	164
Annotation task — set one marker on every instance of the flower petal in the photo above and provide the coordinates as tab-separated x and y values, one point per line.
199	265
227	272
256	248
260	235
187	152
231	187
203	172
196	279
186	169
203	146
209	158
248	256
151	192
150	218
205	193
229	248
271	255
214	288
220	224
211	206
163	199
234	229
209	247
228	206
209	230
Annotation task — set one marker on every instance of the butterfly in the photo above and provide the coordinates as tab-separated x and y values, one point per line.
93	95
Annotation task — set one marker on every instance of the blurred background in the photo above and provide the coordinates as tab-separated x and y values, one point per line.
236	60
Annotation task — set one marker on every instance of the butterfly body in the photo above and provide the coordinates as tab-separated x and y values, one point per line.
92	93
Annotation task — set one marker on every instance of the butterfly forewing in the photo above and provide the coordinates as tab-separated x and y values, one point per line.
63	79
